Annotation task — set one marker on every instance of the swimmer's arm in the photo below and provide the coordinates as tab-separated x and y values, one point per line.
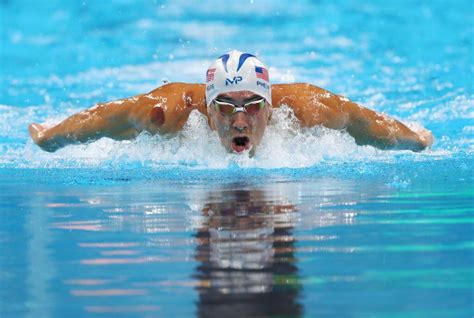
315	106
103	120
371	128
164	110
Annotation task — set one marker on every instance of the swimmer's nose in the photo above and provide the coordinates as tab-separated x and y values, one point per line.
240	122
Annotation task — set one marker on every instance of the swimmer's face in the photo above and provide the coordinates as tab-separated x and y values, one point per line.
239	132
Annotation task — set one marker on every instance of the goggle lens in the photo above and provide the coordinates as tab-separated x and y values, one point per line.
254	107
251	108
226	109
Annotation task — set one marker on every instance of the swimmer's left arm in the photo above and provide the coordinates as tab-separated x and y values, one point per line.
371	128
315	106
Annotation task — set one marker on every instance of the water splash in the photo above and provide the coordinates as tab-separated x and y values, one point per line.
285	145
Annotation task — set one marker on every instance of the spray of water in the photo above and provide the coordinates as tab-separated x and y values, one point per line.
285	145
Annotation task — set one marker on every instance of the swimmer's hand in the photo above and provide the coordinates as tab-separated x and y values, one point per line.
426	137
37	133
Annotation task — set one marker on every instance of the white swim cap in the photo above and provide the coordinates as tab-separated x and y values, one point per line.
237	71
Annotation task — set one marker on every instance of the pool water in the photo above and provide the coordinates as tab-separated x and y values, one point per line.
312	226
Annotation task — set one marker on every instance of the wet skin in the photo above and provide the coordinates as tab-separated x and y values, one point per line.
239	132
165	110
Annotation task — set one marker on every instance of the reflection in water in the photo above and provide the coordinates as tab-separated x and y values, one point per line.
242	241
245	249
41	268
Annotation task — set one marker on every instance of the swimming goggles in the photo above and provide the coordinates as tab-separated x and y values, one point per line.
251	108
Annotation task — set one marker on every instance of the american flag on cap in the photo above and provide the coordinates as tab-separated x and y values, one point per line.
261	72
210	74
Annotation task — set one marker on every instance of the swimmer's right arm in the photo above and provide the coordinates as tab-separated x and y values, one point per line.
164	110
103	120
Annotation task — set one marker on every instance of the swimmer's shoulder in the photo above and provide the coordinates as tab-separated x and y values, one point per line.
293	93
179	95
166	108
312	105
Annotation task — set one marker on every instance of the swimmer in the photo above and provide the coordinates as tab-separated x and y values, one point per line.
237	101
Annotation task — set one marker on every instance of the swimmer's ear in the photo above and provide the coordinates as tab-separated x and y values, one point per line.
210	121
270	112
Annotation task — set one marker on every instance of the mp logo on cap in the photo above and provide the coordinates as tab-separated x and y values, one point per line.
235	80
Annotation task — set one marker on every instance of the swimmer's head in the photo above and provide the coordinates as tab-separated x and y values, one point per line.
238	96
237	71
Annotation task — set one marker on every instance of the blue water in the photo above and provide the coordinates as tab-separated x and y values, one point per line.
312	226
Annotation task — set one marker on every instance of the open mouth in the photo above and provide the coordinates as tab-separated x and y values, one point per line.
240	144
